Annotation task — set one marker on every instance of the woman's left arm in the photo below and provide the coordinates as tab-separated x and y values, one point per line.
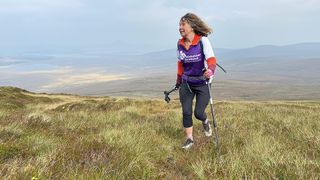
209	56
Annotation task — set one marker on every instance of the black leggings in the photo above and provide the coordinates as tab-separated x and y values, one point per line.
187	93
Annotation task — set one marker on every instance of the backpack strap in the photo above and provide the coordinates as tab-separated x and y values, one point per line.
204	57
201	46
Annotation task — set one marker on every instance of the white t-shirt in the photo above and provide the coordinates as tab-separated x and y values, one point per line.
207	48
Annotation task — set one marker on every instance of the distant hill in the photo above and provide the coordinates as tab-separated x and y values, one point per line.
261	72
304	55
294	51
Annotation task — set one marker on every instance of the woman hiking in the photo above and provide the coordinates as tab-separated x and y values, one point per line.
196	64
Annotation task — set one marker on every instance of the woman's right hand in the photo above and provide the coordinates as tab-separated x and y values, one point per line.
208	73
177	86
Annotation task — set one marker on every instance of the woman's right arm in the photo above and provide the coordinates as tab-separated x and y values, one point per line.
179	74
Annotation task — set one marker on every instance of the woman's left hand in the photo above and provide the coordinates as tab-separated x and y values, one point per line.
208	73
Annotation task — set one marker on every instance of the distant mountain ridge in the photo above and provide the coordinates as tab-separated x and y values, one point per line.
300	50
253	73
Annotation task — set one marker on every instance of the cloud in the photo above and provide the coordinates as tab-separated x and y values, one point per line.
247	9
32	6
144	25
160	11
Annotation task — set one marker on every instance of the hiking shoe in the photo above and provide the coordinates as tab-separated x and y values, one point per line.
207	129
188	144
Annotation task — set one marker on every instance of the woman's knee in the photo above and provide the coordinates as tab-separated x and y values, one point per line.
201	115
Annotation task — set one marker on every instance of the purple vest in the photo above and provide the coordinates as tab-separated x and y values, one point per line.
193	63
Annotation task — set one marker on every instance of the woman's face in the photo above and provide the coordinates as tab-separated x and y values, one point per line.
185	28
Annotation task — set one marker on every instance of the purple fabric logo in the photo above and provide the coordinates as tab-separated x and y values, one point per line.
193	58
181	55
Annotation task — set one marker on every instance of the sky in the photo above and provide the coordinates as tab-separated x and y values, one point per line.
125	26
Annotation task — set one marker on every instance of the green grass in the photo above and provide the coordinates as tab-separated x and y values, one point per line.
74	137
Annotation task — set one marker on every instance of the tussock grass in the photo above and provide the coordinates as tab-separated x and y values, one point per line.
12	98
73	137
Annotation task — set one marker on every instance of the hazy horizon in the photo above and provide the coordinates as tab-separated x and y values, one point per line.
263	72
98	52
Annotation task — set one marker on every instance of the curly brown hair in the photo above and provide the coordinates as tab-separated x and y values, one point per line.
199	26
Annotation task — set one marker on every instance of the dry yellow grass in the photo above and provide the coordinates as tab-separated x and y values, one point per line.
73	137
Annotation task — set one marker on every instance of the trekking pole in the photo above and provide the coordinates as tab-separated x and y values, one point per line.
216	139
167	93
221	68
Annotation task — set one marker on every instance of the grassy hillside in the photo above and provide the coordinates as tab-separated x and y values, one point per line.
74	137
